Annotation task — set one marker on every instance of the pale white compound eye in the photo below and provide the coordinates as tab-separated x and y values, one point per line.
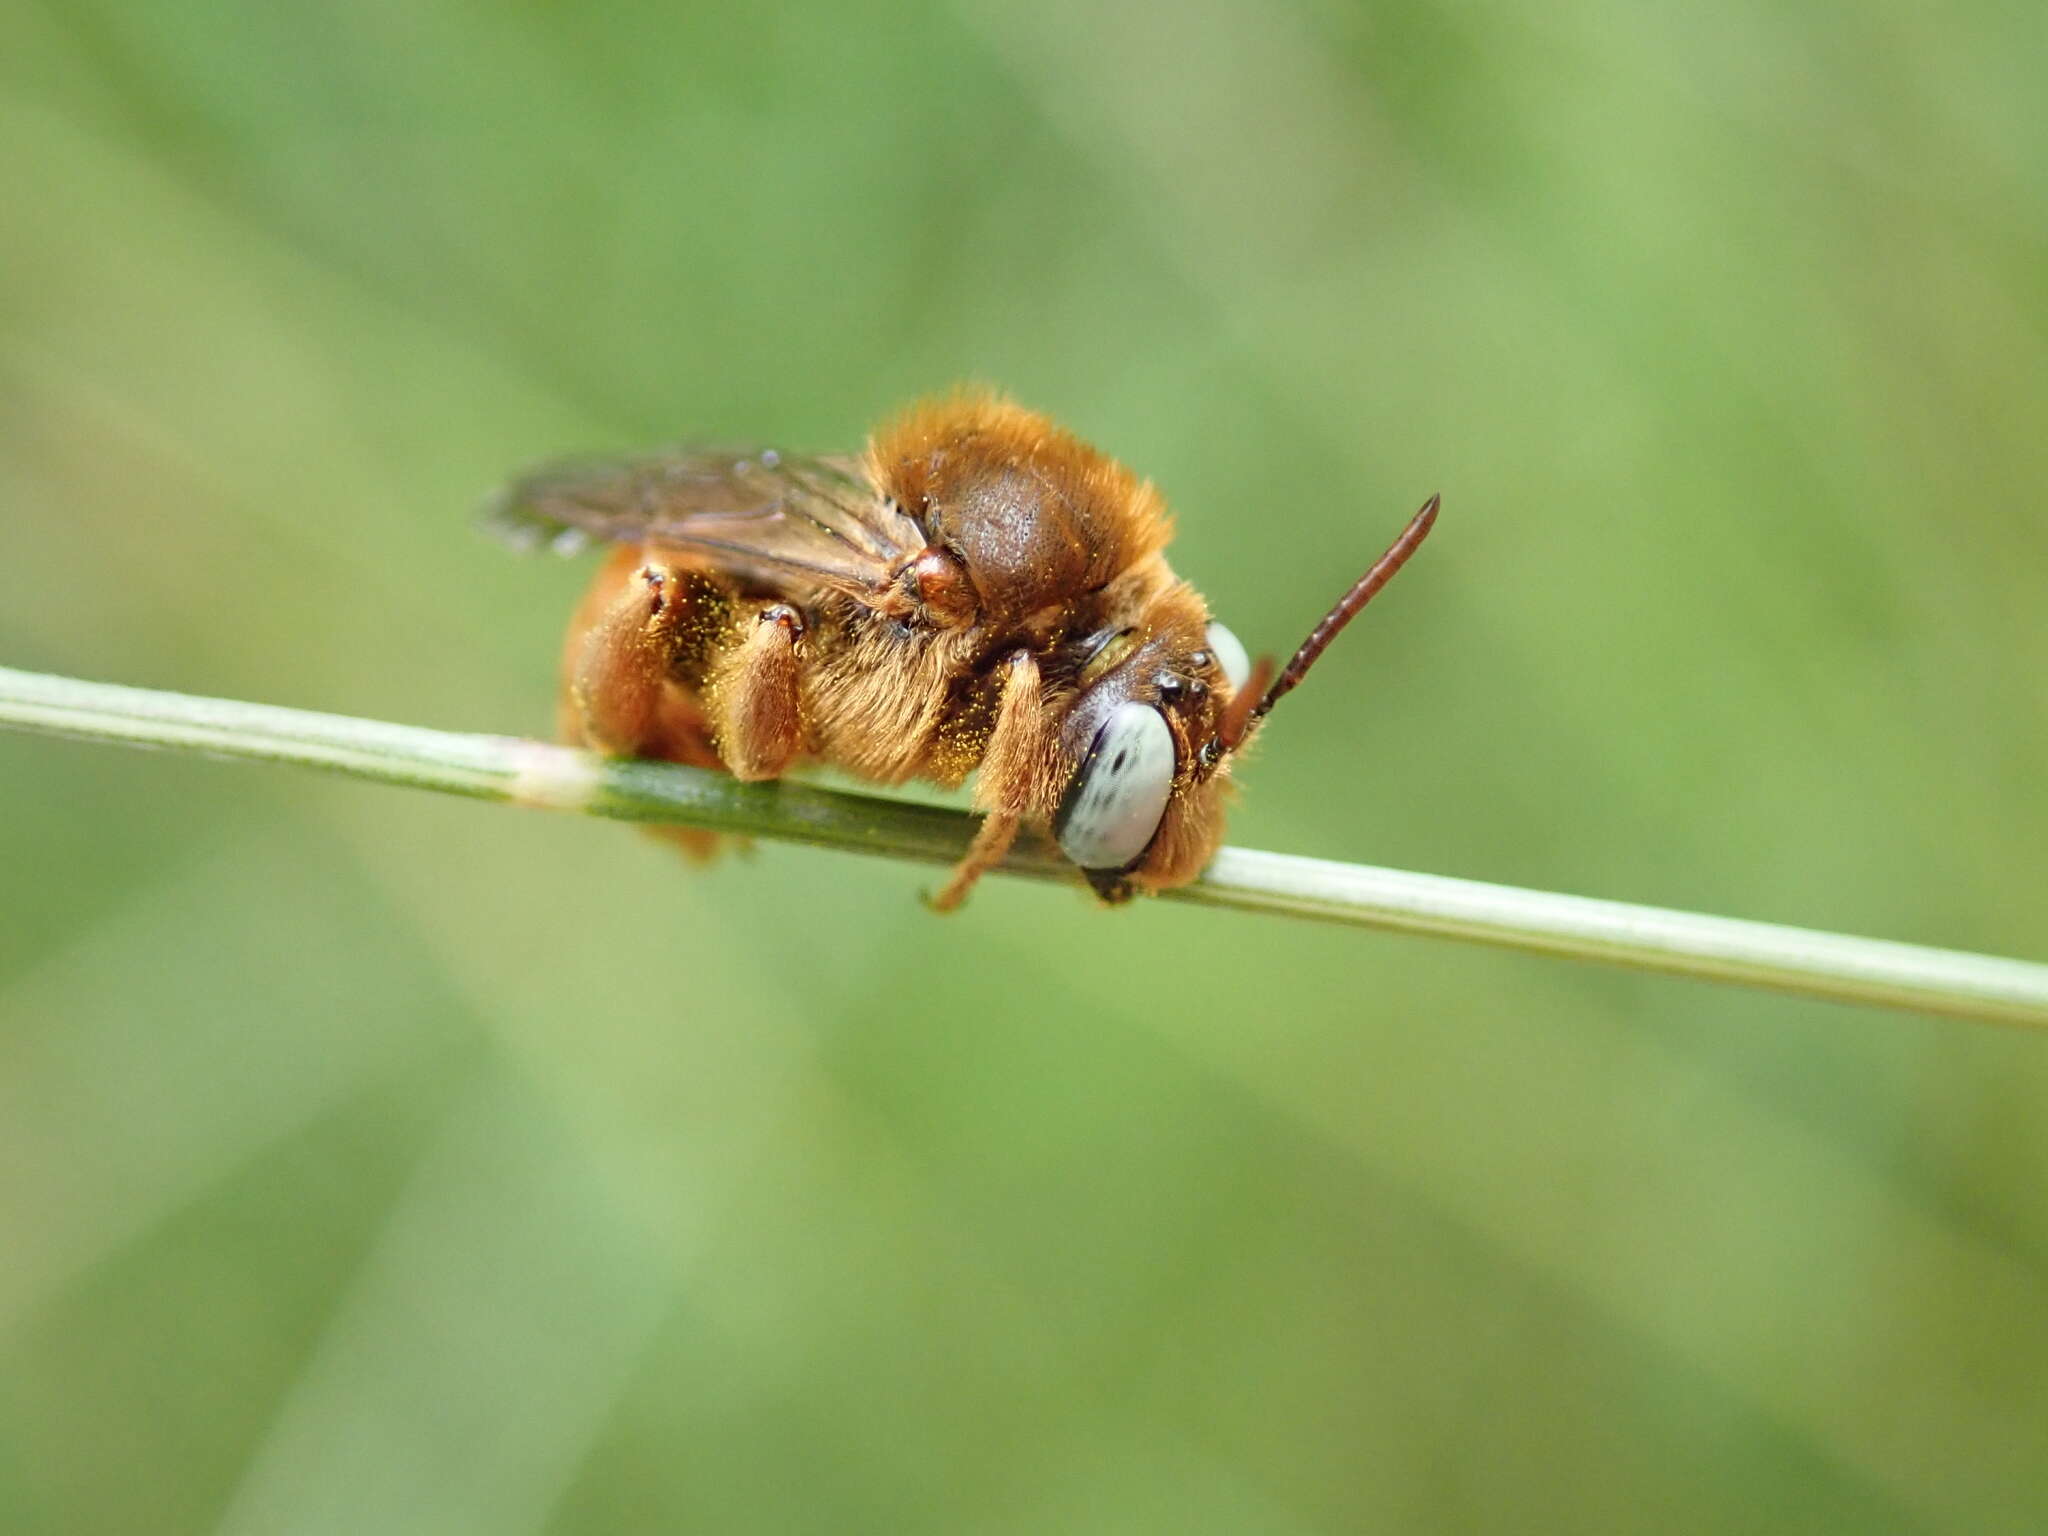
1112	810
1231	656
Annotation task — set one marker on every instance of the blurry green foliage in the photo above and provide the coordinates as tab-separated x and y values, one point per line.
373	1162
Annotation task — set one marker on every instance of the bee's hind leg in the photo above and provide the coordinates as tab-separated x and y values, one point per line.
1011	782
619	690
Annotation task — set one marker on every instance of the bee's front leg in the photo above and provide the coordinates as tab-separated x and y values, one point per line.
755	695
1011	779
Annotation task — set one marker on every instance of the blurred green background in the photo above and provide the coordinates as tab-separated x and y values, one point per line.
371	1161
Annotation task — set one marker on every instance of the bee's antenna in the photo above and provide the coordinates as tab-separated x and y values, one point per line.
1243	715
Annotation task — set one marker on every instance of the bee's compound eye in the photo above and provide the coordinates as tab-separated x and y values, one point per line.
1112	809
1230	655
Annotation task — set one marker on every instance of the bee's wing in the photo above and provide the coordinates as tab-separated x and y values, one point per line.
789	522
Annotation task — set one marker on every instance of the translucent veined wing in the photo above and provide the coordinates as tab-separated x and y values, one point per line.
788	522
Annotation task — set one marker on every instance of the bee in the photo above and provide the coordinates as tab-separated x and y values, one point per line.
979	592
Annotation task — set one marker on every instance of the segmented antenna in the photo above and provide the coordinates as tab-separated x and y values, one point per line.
1243	715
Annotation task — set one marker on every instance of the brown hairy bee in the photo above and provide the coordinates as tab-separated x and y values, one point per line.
979	590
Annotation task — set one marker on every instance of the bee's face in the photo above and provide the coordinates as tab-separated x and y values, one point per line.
1143	803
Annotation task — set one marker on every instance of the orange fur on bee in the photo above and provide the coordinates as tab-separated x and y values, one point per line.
1041	516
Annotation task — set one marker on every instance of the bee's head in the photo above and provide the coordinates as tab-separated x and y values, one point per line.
1142	804
1163	707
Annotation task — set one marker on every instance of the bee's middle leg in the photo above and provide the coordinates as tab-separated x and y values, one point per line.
755	694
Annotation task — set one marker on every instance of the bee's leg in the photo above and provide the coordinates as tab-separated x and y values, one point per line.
618	691
1011	779
620	656
754	694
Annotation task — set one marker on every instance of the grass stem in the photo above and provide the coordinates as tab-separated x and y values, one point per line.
535	773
